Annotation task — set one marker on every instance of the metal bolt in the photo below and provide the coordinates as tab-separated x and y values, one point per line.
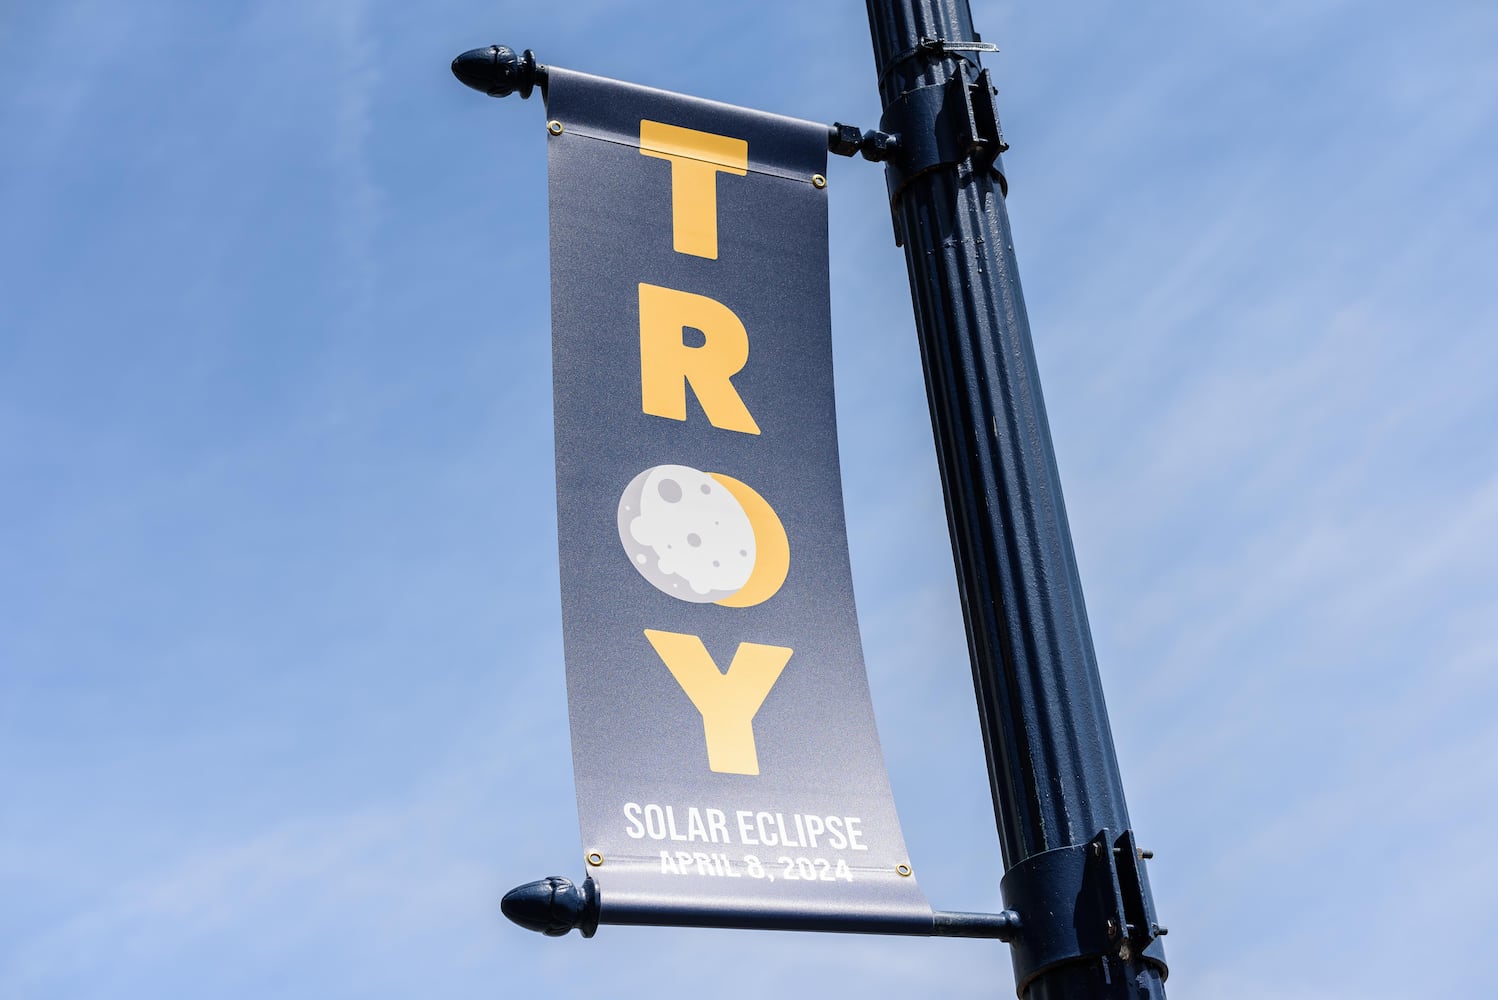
878	146
554	127
1112	928
1161	931
595	859
903	870
818	181
844	139
1097	850
1145	855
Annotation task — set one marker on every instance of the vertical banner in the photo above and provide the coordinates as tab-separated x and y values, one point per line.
728	769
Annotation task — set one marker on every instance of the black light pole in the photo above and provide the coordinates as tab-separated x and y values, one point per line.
1072	868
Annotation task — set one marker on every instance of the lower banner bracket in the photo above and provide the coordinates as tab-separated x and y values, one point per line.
1082	902
555	905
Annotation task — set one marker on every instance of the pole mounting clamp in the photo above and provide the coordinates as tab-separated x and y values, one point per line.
943	125
1082	902
930	48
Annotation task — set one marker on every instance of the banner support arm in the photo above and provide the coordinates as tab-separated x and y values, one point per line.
499	71
555	905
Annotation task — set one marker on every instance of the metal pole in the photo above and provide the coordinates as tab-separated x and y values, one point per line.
1073	871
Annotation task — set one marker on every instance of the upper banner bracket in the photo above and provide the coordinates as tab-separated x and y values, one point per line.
941	126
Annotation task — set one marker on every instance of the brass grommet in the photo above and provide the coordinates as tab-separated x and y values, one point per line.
595	859
818	181
903	870
554	127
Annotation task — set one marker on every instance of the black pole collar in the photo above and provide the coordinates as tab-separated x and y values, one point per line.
1083	902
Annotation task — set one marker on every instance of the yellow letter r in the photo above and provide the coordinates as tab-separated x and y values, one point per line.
667	364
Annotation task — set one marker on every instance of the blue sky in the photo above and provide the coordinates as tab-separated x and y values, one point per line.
281	697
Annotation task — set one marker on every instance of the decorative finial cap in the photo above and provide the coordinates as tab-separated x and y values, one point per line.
497	70
553	905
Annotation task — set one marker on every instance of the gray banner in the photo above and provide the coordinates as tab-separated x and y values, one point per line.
723	738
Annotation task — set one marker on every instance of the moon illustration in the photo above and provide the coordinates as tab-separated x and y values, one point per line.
703	537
